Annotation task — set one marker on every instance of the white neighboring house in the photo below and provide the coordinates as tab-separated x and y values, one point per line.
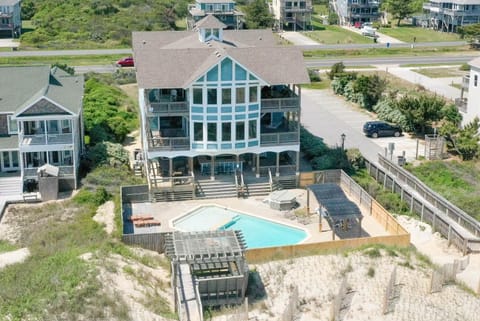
469	102
10	18
448	15
41	122
295	13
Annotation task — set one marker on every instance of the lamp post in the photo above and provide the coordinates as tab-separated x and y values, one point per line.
343	136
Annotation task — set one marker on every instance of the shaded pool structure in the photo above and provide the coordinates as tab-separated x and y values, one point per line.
258	232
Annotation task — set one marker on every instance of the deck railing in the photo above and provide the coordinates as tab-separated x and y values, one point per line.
280	103
46	139
286	138
166	107
64	171
165	144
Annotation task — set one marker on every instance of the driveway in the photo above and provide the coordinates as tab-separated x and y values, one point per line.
329	116
9	43
297	38
382	38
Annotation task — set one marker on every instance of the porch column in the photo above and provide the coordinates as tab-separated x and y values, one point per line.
190	165
257	174
212	168
360	227
308	200
277	169
297	165
170	167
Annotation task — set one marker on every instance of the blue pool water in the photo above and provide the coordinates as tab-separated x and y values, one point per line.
257	232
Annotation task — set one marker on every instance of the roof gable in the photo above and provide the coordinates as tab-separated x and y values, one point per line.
43	107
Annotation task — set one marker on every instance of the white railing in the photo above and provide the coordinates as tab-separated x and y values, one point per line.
64	171
46	139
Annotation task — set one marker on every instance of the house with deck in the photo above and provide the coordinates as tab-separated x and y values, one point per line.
356	12
40	123
468	102
448	15
223	10
10	18
217	107
293	14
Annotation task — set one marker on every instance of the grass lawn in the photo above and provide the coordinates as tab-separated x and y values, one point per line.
6	246
441	72
324	84
407	34
329	34
85	60
459	182
320	9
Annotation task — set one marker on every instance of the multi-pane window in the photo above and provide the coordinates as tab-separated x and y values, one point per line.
212	96
253	94
198	131
252	129
240	130
226	96
197	96
226	132
240	95
212	132
12	125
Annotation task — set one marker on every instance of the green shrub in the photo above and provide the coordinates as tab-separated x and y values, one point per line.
371	272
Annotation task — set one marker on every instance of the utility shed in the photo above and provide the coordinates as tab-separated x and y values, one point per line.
335	207
217	266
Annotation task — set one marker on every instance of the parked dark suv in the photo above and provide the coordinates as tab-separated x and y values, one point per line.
379	128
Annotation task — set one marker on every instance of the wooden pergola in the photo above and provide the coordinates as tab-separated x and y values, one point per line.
335	207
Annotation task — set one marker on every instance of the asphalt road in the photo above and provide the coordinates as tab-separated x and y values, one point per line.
128	51
365	61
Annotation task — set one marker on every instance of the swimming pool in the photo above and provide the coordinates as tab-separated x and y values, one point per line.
258	232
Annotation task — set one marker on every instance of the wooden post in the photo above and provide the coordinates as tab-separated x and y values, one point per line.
258	166
277	169
212	168
170	167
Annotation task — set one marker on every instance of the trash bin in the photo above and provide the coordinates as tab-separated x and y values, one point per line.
401	160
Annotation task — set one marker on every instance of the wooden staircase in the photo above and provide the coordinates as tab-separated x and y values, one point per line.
219	188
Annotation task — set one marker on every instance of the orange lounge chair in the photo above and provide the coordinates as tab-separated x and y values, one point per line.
134	218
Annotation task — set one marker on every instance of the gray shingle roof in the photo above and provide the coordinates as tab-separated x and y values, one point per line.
21	86
475	62
210	22
174	59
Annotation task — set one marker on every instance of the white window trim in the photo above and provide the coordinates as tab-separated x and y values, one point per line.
9	119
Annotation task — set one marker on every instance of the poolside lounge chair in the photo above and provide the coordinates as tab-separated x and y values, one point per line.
134	218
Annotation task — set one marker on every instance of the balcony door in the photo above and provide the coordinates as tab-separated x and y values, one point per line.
34	127
9	161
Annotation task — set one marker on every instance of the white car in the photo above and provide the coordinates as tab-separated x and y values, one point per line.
368	31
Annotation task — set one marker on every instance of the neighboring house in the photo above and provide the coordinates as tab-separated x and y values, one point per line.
10	18
41	122
223	10
355	12
469	102
293	13
447	15
218	102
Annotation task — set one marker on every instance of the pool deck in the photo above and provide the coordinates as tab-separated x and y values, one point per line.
166	212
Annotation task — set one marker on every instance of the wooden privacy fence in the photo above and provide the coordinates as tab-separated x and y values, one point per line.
450	221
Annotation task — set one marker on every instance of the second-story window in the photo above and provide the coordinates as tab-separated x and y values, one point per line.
212	96
240	95
198	131
197	96
253	94
12	125
226	96
212	132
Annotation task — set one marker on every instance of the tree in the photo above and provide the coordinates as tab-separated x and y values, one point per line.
28	9
337	68
64	67
469	32
401	9
369	90
421	111
465	141
257	15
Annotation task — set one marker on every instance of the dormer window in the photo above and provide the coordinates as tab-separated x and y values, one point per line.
216	33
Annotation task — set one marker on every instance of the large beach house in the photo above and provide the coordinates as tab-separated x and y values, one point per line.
468	103
355	12
10	18
217	103
448	15
293	14
40	123
224	10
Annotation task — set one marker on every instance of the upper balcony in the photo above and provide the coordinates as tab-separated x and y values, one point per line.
282	133
168	140
279	98
166	102
45	139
